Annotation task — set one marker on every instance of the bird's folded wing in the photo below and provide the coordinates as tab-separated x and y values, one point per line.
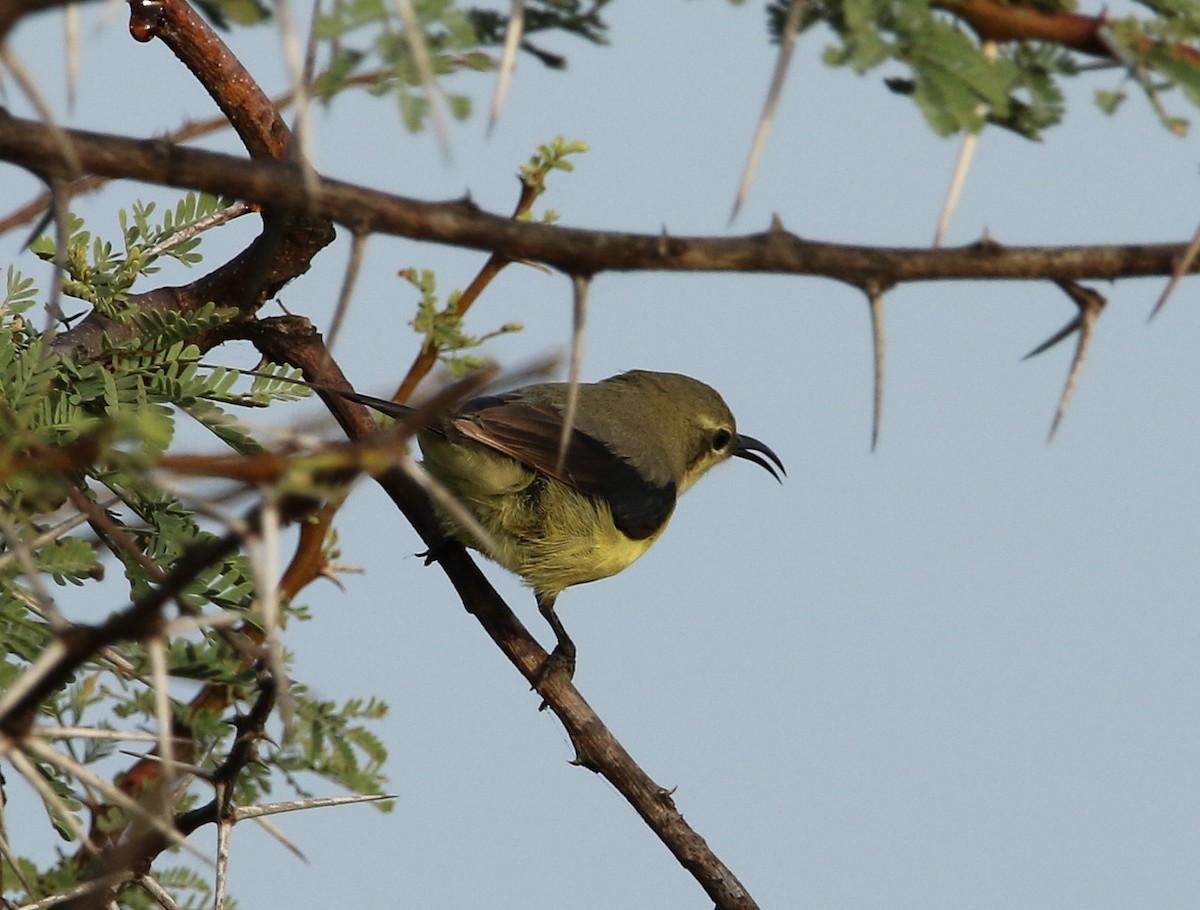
532	434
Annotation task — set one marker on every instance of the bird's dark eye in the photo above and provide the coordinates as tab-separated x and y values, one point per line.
721	439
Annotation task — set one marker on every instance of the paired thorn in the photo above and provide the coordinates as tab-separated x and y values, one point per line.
1091	304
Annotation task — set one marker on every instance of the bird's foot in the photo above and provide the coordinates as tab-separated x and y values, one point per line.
436	550
557	661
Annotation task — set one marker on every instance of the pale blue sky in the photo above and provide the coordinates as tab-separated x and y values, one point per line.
958	672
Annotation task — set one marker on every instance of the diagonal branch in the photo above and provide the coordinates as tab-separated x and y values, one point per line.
427	356
596	747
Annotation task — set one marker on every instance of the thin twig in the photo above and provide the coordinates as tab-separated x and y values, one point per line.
224	830
241	813
1091	304
24	555
89	887
156	650
263	550
237	210
29	86
276	832
42	667
449	503
958	179
160	894
7	854
55	531
53	732
304	148
71	45
962	165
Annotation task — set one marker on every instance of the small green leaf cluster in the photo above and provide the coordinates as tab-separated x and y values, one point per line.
366	43
329	741
550	156
443	326
20	295
100	274
92	430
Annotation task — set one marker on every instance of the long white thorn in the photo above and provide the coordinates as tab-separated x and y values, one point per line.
508	62
578	331
787	44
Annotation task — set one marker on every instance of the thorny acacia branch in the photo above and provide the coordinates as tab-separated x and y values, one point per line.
572	250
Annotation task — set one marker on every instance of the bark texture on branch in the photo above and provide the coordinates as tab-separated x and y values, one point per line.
572	250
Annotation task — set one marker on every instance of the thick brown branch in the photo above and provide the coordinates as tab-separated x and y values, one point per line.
192	129
575	251
249	110
998	20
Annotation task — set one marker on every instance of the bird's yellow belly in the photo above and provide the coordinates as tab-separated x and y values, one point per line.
549	534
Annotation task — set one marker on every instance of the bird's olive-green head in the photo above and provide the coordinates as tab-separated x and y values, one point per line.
671	427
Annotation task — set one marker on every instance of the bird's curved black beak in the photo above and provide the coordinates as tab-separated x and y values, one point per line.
748	447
